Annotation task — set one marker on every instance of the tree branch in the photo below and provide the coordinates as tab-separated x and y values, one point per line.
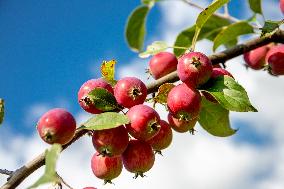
64	182
225	55
20	174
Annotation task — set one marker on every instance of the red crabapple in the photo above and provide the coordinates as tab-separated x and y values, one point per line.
181	126
56	126
144	122
110	142
162	64
130	91
275	59
220	72
87	87
163	139
194	68
217	66
255	59
106	168
281	4
184	102
138	157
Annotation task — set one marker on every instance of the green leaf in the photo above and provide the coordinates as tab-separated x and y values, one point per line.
163	92
255	6
231	43
105	120
154	48
150	3
108	70
229	94
50	175
231	33
1	110
215	119
136	29
204	16
210	29
102	99
270	26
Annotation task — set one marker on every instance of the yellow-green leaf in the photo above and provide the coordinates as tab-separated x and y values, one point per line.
105	120
108	71
50	175
163	92
154	48
204	16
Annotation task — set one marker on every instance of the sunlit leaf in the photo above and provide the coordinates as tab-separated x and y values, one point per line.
163	92
105	120
108	71
205	15
154	48
229	94
215	119
50	175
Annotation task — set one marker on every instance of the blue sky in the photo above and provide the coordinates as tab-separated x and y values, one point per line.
49	48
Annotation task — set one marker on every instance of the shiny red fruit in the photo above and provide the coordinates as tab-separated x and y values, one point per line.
164	137
275	59
130	91
138	157
255	59
56	126
111	142
87	87
184	102
106	168
281	5
194	68
144	122
162	64
181	126
220	72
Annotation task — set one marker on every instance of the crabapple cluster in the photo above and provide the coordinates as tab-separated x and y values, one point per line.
114	148
133	145
269	57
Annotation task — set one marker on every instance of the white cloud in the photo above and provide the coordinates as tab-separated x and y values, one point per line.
35	111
